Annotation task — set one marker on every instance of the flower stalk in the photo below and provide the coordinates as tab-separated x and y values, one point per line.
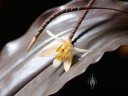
43	26
89	5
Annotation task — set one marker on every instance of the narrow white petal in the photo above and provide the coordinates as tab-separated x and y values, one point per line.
54	36
67	65
49	52
81	50
56	63
68	61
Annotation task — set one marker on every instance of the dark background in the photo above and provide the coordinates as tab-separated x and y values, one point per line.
111	71
16	16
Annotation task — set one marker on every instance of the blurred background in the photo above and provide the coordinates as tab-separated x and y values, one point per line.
16	16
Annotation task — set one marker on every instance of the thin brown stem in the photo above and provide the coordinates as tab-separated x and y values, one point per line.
62	12
89	5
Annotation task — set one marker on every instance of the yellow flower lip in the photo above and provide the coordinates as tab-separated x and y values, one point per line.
64	51
59	48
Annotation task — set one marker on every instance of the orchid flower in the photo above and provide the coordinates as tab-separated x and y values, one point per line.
64	52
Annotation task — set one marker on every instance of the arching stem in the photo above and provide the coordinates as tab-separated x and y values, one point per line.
43	26
89	5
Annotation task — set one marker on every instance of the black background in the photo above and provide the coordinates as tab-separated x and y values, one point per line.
16	16
111	74
111	71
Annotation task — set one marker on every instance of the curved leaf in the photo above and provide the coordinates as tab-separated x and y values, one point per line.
31	75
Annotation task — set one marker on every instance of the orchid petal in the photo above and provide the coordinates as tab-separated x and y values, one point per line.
54	36
56	63
49	52
81	50
68	61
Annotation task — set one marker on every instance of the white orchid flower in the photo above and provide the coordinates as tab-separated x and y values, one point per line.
63	51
